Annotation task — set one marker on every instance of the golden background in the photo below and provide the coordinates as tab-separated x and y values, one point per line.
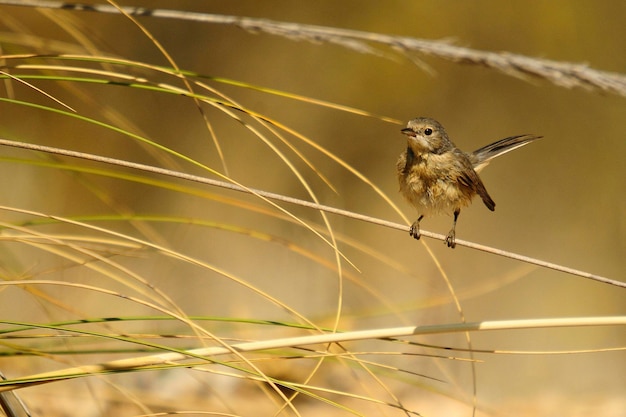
560	199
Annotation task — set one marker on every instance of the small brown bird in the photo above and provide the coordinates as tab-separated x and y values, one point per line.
435	176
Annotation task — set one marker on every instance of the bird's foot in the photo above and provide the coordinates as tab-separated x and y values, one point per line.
414	231
450	239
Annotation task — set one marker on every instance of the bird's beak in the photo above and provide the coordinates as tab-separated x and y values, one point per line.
408	132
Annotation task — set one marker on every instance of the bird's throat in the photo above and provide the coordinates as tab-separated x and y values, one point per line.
410	159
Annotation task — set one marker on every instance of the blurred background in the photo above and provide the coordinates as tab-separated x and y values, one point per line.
560	199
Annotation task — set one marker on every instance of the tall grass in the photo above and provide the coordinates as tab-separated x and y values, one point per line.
176	241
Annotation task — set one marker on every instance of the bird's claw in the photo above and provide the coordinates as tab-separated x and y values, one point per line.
414	231
450	239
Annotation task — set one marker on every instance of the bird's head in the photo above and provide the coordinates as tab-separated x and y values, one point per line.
426	135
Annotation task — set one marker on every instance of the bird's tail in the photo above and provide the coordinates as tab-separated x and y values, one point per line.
481	157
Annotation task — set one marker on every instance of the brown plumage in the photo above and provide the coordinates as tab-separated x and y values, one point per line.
435	176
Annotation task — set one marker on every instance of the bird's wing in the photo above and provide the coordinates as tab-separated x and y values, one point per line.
469	178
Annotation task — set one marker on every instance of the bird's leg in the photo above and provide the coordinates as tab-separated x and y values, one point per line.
414	231
452	234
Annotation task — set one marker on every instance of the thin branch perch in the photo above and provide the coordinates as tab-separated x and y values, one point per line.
304	203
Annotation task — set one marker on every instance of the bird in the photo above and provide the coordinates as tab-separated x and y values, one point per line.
437	177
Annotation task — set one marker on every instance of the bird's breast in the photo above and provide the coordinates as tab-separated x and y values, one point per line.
430	183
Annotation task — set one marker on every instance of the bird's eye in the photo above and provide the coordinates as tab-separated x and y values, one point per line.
428	131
